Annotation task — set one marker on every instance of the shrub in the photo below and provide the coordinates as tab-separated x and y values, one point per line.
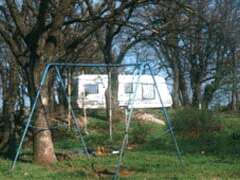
139	133
190	122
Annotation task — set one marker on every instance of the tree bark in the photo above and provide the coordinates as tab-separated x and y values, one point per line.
196	88
43	144
183	90
116	113
176	90
8	140
234	83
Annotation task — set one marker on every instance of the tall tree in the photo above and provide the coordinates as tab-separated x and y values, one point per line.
34	32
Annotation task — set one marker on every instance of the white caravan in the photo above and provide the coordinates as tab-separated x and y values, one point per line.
91	91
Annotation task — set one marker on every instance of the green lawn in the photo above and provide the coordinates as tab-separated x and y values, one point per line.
153	157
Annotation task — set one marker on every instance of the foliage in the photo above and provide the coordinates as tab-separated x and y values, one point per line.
191	122
139	133
216	156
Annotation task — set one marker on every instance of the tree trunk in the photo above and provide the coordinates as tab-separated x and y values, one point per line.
234	96
112	107
8	141
234	83
176	90
8	144
63	104
196	94
116	112
208	95
183	90
51	95
43	144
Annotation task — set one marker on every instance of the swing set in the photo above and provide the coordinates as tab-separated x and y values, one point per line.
139	69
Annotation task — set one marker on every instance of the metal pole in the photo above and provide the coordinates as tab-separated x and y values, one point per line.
69	81
165	114
72	112
84	108
110	101
129	100
92	65
116	175
43	79
126	116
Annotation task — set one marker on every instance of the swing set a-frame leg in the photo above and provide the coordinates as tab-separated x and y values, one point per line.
42	83
166	117
74	117
137	74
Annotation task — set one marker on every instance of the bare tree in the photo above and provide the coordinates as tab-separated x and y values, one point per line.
35	33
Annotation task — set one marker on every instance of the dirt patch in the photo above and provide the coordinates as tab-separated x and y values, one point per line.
102	151
124	172
148	118
132	146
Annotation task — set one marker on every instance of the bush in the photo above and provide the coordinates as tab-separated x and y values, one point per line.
190	122
139	133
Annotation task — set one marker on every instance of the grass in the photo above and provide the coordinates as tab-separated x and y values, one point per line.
213	157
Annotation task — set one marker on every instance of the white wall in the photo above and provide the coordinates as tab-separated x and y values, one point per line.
94	101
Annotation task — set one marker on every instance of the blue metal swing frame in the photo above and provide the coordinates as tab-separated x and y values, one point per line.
137	74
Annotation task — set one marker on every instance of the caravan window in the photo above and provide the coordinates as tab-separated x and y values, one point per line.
91	89
148	92
128	88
